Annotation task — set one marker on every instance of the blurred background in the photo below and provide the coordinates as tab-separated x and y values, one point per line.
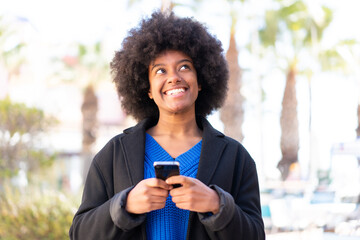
293	102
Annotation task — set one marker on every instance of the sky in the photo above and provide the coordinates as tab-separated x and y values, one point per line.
56	23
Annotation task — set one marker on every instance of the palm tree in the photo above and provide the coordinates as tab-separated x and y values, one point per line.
88	68
166	5
232	113
291	24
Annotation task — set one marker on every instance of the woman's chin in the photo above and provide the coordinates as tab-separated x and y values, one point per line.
180	110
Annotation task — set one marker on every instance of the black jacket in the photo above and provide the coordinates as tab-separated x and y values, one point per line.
224	165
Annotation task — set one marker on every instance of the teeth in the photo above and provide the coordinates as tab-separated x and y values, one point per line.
175	91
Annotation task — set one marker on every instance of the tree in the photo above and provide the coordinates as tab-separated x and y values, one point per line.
20	129
232	113
87	68
166	5
291	26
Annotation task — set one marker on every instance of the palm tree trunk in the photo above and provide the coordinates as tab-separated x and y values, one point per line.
289	126
166	6
232	112
89	110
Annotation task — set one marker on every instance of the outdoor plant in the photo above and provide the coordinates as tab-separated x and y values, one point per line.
35	214
20	131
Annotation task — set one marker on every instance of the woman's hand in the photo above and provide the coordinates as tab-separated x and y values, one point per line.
148	195
194	195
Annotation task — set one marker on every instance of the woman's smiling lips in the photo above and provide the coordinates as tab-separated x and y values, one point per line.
175	91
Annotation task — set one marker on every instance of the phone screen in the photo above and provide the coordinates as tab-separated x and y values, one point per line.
164	170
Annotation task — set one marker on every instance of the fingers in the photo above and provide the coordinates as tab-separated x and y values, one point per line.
179	179
151	194
145	203
154	187
194	195
148	195
157	183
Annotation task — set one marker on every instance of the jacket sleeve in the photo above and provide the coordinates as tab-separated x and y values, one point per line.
240	213
101	214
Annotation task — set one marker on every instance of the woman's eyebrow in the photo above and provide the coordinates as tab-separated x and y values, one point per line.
180	61
185	60
157	65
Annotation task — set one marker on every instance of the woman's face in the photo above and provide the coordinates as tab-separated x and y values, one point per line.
173	82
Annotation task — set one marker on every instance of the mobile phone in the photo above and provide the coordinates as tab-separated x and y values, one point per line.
166	169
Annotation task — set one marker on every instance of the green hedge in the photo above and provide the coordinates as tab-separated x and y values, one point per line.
35	215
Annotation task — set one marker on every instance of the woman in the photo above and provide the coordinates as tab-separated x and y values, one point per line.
170	74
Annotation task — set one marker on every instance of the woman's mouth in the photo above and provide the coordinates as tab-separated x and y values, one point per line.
174	91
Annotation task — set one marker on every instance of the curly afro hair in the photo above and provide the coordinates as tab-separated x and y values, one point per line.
155	35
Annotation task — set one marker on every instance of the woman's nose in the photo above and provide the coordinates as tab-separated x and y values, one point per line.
173	77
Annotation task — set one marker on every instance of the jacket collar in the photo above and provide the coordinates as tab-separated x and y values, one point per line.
133	143
213	146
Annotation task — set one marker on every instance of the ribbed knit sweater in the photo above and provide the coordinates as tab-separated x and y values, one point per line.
169	222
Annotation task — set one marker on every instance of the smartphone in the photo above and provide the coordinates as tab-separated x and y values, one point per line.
166	169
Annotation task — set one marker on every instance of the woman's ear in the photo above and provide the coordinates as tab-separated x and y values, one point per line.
199	88
150	95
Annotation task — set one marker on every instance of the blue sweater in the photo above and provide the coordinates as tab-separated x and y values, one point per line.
170	222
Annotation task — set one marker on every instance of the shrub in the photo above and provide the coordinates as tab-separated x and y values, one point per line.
21	128
35	215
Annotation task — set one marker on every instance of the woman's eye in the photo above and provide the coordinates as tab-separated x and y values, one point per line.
160	71
183	67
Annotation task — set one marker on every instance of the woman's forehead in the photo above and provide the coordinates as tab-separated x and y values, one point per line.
170	53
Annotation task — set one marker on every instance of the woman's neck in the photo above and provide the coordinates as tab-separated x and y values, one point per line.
176	126
176	133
